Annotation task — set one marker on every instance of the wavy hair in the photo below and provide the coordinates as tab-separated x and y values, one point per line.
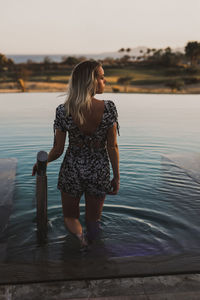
82	87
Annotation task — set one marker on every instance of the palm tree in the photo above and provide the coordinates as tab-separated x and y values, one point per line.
148	51
5	62
192	51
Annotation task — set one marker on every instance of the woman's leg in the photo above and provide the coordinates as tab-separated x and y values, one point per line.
93	210
71	213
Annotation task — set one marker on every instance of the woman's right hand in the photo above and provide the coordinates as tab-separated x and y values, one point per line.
34	170
114	186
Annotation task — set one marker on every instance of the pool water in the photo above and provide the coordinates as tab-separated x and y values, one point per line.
157	209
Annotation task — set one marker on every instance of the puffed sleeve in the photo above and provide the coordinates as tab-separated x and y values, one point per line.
113	115
58	122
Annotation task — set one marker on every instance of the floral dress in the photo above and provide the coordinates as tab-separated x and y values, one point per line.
86	167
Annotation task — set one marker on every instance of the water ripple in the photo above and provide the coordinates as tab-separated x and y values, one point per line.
156	210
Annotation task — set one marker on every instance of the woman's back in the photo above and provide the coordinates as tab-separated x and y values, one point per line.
92	116
93	132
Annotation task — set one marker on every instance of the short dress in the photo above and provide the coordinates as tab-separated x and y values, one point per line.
85	167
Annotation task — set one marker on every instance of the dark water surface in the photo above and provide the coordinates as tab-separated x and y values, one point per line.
157	209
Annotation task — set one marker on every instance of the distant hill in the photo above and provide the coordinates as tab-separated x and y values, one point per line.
23	58
117	54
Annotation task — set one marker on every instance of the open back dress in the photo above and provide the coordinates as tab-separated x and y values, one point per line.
85	167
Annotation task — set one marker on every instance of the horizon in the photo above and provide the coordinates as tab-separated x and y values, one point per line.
98	53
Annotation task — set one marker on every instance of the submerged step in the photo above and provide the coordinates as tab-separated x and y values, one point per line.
7	183
188	162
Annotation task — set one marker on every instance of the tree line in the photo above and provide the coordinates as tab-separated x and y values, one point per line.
173	62
164	57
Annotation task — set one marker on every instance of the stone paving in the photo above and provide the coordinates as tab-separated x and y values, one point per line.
172	287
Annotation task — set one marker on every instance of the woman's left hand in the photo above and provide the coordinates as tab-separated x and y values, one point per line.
34	170
114	186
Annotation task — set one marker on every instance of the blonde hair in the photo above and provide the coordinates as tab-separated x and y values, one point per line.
82	87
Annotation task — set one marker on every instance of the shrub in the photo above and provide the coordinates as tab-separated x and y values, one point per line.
115	90
174	71
191	80
175	84
192	70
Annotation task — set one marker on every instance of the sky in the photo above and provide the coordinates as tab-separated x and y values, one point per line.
95	26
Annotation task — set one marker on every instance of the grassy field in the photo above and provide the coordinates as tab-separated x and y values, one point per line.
140	79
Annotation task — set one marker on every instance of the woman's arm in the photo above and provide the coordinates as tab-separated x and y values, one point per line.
59	144
113	154
57	149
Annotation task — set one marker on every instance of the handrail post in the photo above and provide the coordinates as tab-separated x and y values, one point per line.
41	195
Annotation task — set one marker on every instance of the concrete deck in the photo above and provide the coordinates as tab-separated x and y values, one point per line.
177	287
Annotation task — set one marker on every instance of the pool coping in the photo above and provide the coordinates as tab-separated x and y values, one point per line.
166	287
86	268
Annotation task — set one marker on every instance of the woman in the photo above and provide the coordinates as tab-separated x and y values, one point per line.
91	125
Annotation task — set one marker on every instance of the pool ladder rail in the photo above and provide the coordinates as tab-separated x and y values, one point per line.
41	196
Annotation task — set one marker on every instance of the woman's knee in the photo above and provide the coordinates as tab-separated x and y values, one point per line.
70	220
94	207
70	206
73	225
